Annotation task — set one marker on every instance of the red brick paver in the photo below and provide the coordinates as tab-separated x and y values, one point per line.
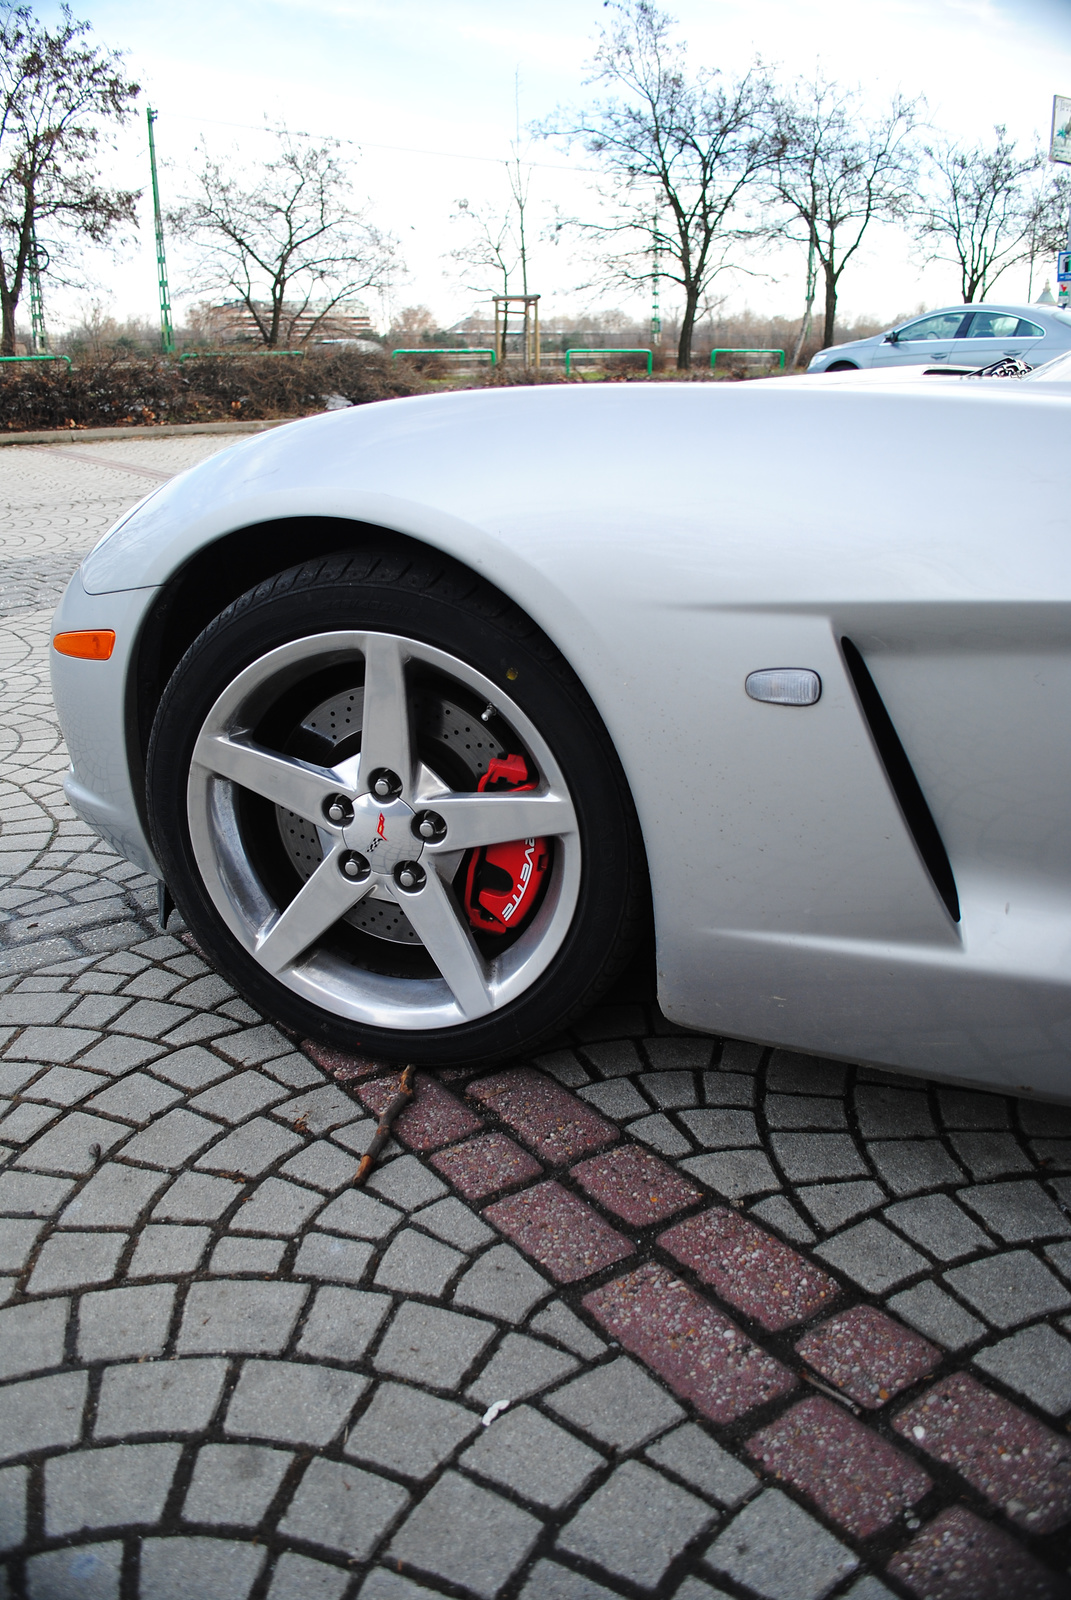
553	1122
559	1231
342	1066
635	1185
750	1268
435	1117
1014	1460
843	1466
701	1355
868	1355
486	1165
960	1557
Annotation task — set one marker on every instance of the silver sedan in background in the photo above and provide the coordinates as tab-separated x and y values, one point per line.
965	336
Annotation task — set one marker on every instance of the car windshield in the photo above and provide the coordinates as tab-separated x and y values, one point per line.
1058	368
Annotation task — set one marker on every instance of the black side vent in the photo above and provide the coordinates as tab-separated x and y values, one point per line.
905	785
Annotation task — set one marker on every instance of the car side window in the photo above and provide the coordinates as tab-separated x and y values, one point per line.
939	327
1029	330
992	325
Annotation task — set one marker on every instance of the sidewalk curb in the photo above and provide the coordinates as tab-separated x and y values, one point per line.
162	431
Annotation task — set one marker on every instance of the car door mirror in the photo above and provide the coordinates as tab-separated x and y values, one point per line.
892	338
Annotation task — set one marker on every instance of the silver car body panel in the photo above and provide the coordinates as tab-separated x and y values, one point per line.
670	540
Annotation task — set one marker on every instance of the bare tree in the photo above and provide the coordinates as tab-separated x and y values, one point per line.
284	238
679	152
57	95
1047	209
833	173
977	212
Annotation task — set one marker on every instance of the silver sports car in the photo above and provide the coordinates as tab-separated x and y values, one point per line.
425	710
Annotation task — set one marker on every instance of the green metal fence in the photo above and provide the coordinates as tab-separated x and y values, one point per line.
727	350
631	350
38	358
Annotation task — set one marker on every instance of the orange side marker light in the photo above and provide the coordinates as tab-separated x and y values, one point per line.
88	644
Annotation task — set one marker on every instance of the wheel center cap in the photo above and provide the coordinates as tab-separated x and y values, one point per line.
382	832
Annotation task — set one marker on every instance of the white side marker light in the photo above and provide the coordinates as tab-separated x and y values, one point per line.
784	686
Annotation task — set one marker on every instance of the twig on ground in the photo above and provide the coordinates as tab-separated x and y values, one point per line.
382	1133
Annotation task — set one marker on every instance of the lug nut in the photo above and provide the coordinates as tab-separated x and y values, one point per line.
354	866
337	809
384	784
428	825
410	876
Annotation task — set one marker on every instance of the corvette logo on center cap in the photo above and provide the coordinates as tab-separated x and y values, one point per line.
381	830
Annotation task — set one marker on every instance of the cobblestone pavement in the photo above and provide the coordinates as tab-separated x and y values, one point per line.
654	1315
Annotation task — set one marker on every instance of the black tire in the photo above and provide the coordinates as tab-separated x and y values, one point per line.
441	605
842	366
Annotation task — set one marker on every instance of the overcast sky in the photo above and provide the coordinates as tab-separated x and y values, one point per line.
426	92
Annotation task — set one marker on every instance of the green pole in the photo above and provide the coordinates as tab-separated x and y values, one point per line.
38	334
167	337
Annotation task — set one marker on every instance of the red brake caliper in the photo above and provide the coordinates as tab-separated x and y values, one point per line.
502	880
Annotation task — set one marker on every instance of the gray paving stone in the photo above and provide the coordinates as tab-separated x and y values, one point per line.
196	1197
119	1484
406	1183
204	992
616	1098
292	1401
695	1589
73	1146
1017	1212
790	1073
253	1046
736	1174
193	1068
797	1112
501	1284
238	1096
990	1155
556	1321
408	1432
276	1207
251	1149
153	984
234	1484
616	1058
63	1086
115	1323
520	1367
721	1130
41	1413
872	1256
159	1397
24	1122
450	1220
13	1482
776	1549
25	1009
51	1044
321	1109
136	1098
236	1255
679	1052
1037	1362
728	1089
415	1264
90	1571
670	1091
167	1250
172	1139
15	1074
71	1260
322	1255
116	1054
31	1337
1060	1256
360	1215
523	1451
1010	1288
180	1568
466	1535
149	1019
781	1214
298	1578
833	1204
564	1066
323	1165
617	1404
237	1315
937	1223
811	1157
549	1581
635	1525
295	1070
429	1345
934	1313
910	1165
886	1113
342	1323
343	1508
661	1135
693	1455
114	1197
962	1108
